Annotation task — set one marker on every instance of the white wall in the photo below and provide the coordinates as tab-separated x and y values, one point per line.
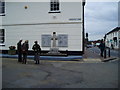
34	32
37	13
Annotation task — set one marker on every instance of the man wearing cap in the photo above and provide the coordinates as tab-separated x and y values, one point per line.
37	50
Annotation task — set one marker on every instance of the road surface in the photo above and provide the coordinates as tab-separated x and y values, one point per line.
59	74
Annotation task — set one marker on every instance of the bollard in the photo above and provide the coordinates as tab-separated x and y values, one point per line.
108	52
105	53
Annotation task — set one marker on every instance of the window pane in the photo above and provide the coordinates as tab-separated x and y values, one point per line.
57	6
2	10
2	36
54	5
2	7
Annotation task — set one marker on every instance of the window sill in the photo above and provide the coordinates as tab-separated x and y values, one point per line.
2	14
54	12
2	44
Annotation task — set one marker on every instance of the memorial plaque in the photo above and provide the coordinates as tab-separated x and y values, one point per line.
63	40
46	40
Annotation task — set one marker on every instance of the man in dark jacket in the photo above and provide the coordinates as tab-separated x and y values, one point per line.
102	47
19	50
37	51
25	48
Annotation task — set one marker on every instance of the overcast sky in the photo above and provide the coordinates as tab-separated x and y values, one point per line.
100	18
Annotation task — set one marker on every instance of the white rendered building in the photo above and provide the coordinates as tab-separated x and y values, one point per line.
38	20
113	38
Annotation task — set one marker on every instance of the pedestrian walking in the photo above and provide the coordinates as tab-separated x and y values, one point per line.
37	51
25	48
102	47
19	50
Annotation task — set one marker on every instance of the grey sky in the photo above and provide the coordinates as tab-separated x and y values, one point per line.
100	18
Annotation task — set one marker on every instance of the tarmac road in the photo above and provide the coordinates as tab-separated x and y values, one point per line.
59	74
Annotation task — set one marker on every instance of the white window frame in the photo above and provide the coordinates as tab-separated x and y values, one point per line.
54	6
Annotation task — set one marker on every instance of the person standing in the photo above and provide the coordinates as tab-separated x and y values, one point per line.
102	47
25	48
37	51
19	50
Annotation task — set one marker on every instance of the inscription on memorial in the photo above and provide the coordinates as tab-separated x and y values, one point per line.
46	40
55	41
60	40
63	40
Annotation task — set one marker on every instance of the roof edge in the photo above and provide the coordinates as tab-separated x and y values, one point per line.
114	30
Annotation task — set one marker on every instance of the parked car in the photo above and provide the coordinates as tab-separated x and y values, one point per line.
97	44
89	46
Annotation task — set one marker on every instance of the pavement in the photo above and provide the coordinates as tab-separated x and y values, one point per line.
92	55
86	72
61	58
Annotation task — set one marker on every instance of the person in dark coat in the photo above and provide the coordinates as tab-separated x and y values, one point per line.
19	50
25	48
102	47
37	51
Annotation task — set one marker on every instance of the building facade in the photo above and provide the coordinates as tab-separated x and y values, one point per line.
38	20
112	38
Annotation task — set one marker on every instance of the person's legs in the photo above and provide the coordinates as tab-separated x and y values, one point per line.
20	57
35	58
38	61
38	58
23	57
101	53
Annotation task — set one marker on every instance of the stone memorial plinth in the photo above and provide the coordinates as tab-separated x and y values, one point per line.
54	50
